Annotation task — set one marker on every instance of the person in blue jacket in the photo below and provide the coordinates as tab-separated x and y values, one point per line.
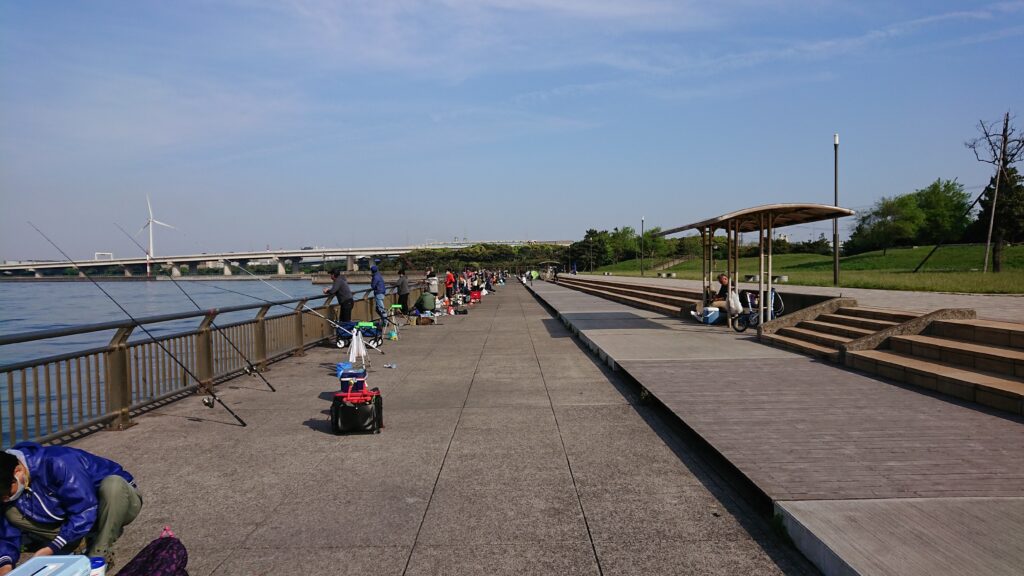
57	496
379	288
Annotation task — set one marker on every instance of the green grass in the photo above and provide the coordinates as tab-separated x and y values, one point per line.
950	269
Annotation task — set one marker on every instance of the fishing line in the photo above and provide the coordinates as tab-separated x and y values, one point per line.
307	308
206	388
250	369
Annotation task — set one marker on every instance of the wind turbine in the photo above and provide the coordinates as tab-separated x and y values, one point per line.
149	224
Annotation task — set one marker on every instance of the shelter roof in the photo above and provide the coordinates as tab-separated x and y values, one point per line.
749	219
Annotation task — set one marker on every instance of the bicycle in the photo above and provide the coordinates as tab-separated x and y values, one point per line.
751	317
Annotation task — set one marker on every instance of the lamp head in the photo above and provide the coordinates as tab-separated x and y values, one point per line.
836	140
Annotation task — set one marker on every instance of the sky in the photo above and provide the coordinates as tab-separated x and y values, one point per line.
254	124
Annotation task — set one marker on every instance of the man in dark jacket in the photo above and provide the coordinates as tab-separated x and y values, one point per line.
379	289
403	291
59	495
342	293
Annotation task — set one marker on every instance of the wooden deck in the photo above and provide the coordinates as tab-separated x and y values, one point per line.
822	442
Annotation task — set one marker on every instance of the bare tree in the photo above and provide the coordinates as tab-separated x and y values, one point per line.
1001	149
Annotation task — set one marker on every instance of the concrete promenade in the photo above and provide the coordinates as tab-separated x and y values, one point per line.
508	449
869	477
1004	307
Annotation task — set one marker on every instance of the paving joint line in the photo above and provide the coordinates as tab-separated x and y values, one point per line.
561	440
447	449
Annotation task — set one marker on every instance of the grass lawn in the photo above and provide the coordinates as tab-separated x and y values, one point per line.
950	269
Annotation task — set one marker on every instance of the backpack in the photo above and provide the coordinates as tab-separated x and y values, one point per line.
165	556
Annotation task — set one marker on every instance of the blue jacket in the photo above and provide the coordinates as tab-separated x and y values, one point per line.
62	488
377	283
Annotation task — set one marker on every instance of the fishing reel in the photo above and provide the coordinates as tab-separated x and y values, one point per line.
208	401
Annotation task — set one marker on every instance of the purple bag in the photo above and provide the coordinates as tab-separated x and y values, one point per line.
165	556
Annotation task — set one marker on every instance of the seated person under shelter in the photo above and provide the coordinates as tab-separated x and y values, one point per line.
719	300
56	496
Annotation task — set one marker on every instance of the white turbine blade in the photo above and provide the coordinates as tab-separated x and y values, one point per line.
150	206
144	226
162	224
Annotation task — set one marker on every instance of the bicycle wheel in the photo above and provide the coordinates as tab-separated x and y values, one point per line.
741	322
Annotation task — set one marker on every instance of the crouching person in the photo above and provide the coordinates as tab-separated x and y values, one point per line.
55	497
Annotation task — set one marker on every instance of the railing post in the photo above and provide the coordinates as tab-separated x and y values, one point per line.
204	350
260	339
300	344
119	387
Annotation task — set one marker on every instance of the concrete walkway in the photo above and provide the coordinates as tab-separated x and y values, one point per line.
1004	307
508	450
869	477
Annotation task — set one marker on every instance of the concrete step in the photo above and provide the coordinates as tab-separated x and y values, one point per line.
970	355
894	316
801	346
642	303
995	390
837	329
820	338
1008	334
666	290
638	292
634	291
856	321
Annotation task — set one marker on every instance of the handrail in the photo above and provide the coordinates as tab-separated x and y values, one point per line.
54	397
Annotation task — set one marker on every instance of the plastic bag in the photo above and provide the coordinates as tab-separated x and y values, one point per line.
734	306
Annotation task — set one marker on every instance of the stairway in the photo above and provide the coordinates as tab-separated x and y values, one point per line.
671	263
823	336
672	302
977	360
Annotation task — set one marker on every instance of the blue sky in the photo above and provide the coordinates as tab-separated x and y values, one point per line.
253	123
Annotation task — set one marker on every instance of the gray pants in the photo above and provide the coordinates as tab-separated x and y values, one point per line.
119	504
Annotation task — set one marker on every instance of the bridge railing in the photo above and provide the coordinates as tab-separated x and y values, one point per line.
61	396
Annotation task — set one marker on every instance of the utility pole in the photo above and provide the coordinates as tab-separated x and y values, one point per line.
835	221
995	193
641	245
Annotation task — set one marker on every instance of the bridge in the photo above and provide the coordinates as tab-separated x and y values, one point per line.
287	261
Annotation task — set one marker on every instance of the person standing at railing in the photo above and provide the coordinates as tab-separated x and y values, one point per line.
342	293
59	496
379	290
403	291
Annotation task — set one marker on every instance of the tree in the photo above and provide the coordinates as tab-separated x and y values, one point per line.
1002	150
623	243
890	222
593	251
944	205
654	245
1008	226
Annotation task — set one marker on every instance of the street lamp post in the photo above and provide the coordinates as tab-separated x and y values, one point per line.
641	245
835	221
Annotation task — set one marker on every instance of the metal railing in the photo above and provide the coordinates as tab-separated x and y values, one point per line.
58	396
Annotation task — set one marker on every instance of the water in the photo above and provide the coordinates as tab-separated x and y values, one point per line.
31	306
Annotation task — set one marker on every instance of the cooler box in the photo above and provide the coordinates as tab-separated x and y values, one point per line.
475	296
54	566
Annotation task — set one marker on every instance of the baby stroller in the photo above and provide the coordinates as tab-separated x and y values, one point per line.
370	331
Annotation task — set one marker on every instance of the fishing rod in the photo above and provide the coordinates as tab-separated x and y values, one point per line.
304	306
250	369
205	387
